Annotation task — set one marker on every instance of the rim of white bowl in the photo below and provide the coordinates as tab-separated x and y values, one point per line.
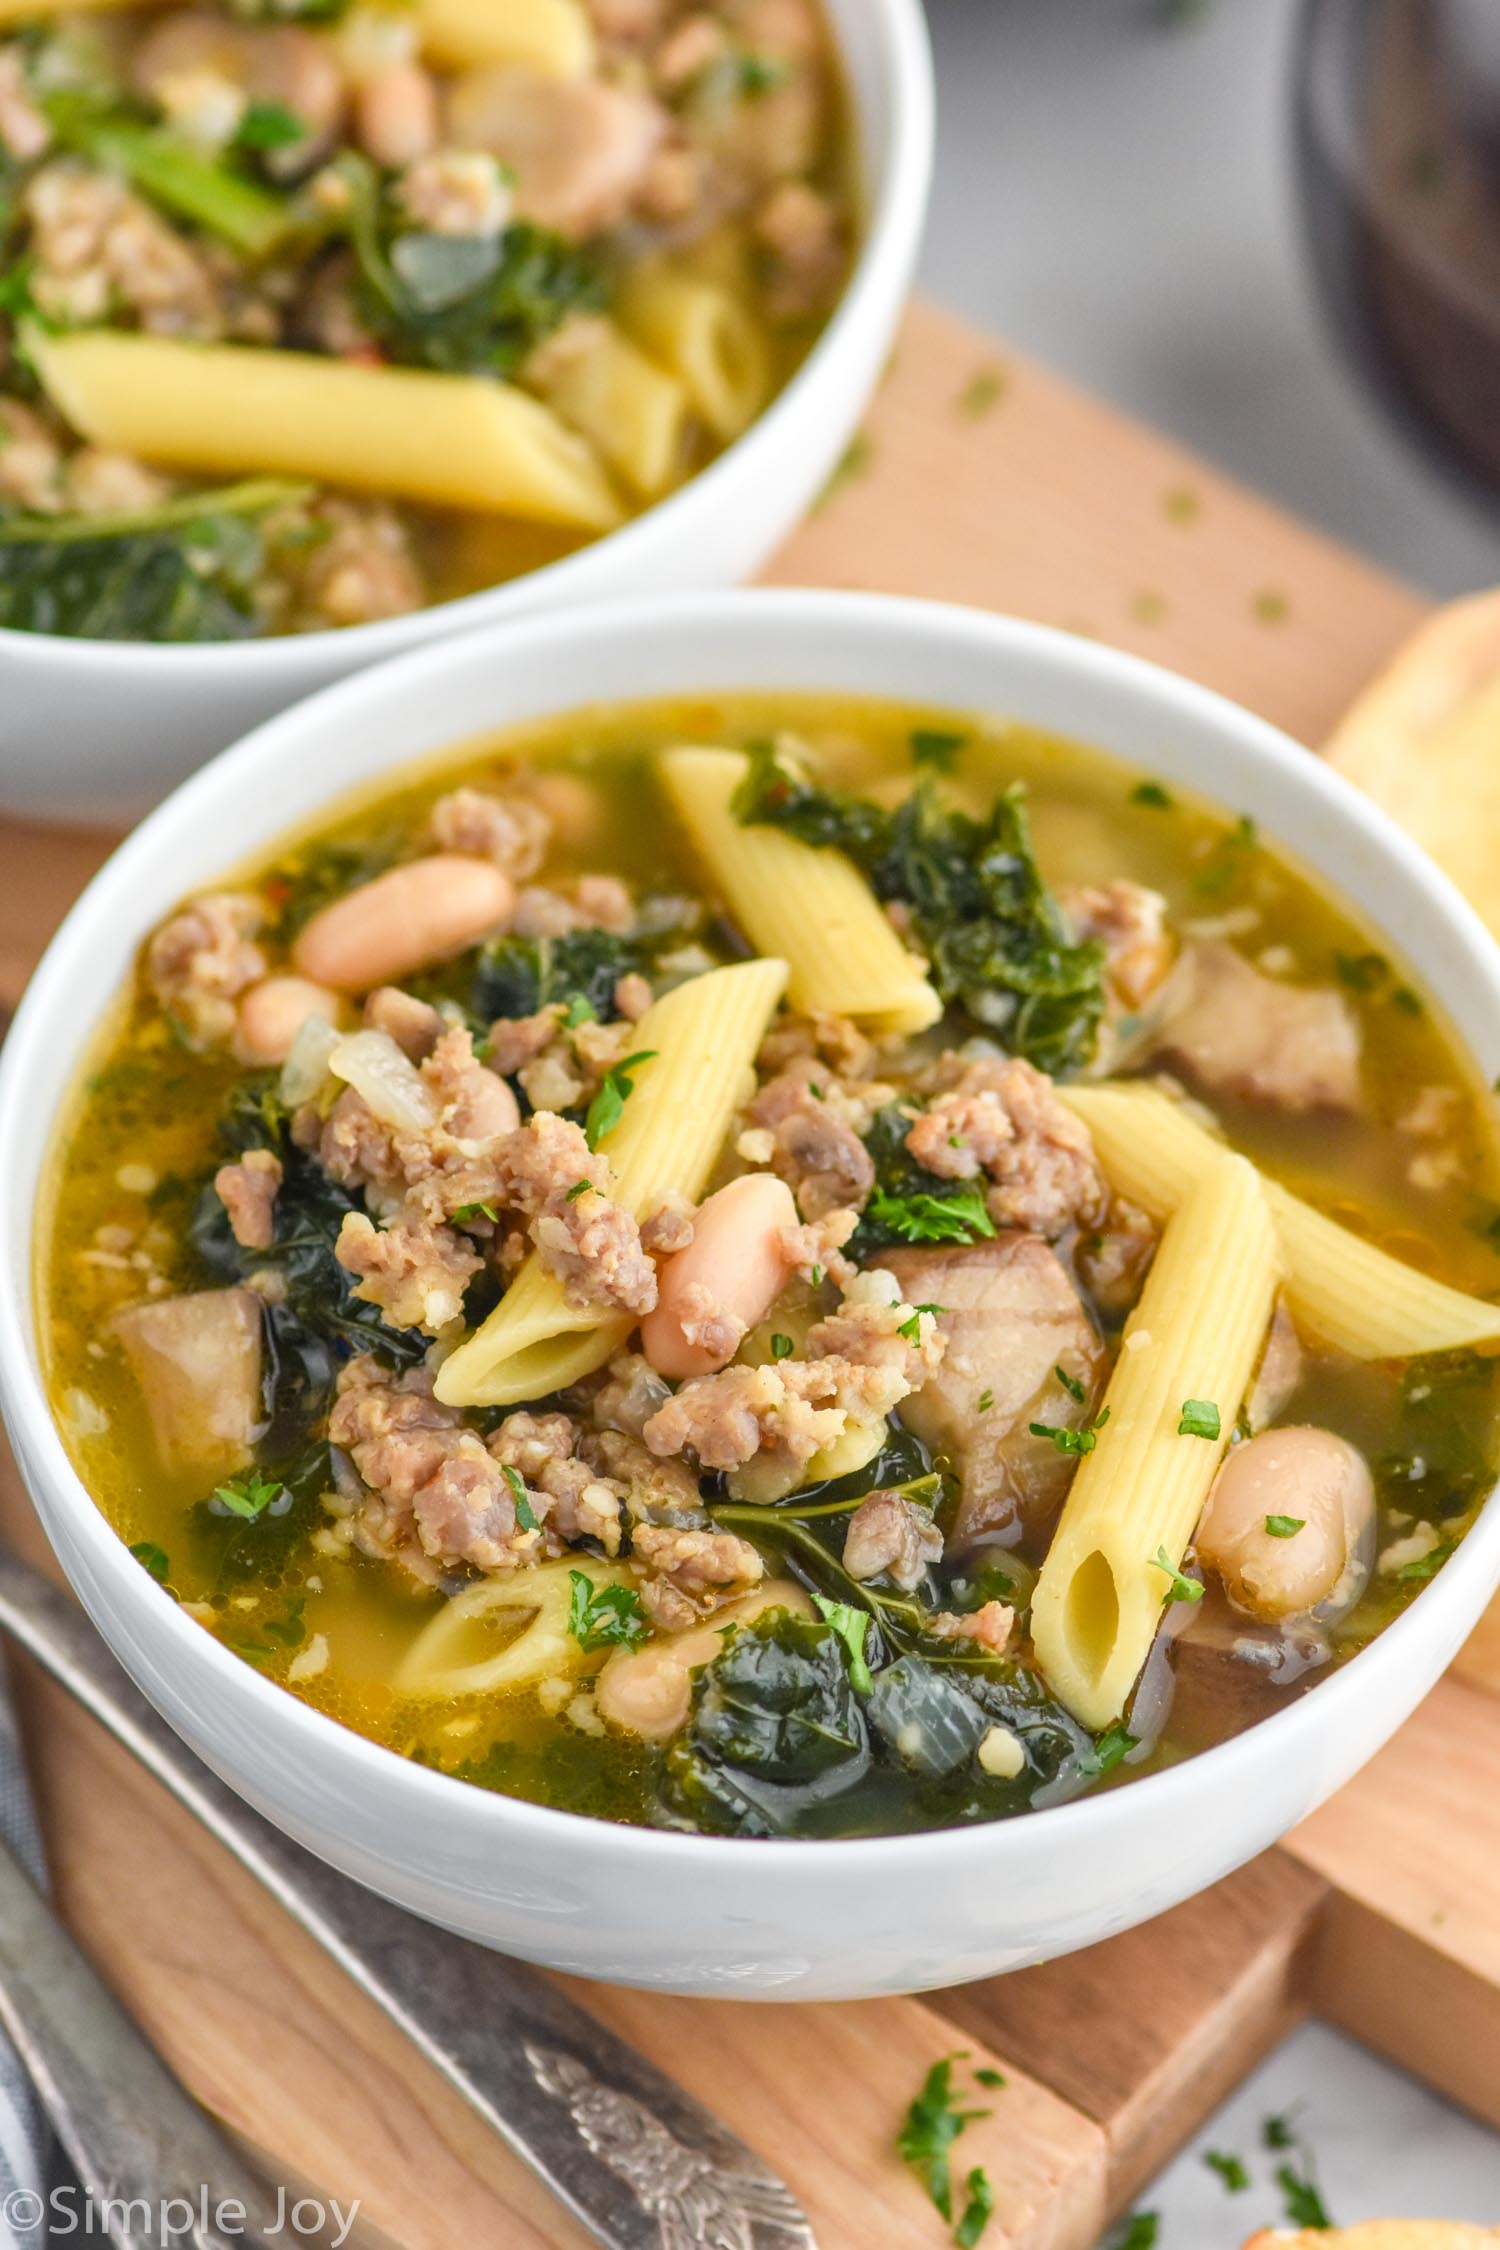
766	613
897	204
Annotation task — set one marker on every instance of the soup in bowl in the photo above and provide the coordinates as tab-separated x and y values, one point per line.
841	1273
323	319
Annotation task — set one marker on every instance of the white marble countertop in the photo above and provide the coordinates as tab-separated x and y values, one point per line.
1116	198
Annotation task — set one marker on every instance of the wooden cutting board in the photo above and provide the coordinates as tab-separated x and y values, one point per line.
980	479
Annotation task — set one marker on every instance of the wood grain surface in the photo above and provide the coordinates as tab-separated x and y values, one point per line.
1383	1911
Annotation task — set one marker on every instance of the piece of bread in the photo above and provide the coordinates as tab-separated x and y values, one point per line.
1423	739
1383	2234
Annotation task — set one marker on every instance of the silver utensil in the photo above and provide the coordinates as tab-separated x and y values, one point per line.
641	2163
153	2169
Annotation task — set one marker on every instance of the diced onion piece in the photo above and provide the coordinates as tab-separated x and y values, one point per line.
392	1088
305	1070
926	1718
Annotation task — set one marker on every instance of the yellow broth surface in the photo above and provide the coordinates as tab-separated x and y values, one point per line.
141	1135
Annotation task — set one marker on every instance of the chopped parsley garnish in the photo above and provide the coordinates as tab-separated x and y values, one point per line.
1111	1746
759	75
579	1187
1071	1385
1231	2169
249	1496
960	1217
1181	1589
1362	972
269	125
985	1401
608	1105
468	1212
933	2123
982	393
984	2076
851	1625
605	1616
1300	2195
979	2208
1199	1418
911	1329
1285	1527
1228	858
1278	2132
1078	1442
931	746
579	1009
782	1347
1152	793
153	1558
525	1513
1428	1565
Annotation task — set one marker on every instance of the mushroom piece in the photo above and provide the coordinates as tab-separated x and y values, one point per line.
197	1360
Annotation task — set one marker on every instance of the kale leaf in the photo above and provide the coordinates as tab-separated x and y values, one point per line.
321	1321
188	570
909	1203
517	976
465	304
991	929
775	1726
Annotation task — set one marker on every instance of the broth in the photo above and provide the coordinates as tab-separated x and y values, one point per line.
1411	1168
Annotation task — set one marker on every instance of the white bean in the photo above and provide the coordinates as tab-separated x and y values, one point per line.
273	1012
649	1691
396	114
737	1260
1301	1476
404	920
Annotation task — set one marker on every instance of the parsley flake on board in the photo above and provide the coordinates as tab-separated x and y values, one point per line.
1285	1527
525	1513
851	1625
1199	1418
1181	1589
608	1105
605	1616
932	2125
979	2208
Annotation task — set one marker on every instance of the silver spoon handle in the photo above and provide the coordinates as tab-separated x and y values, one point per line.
636	2159
153	2169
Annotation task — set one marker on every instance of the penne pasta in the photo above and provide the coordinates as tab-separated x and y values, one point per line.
1194	1335
705	1036
709	338
456	440
455	1653
1340	1289
633	413
813	907
554	36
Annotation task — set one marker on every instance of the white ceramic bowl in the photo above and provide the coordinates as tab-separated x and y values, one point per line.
687	1913
94	731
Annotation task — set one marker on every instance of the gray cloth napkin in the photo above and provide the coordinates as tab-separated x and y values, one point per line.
28	2153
